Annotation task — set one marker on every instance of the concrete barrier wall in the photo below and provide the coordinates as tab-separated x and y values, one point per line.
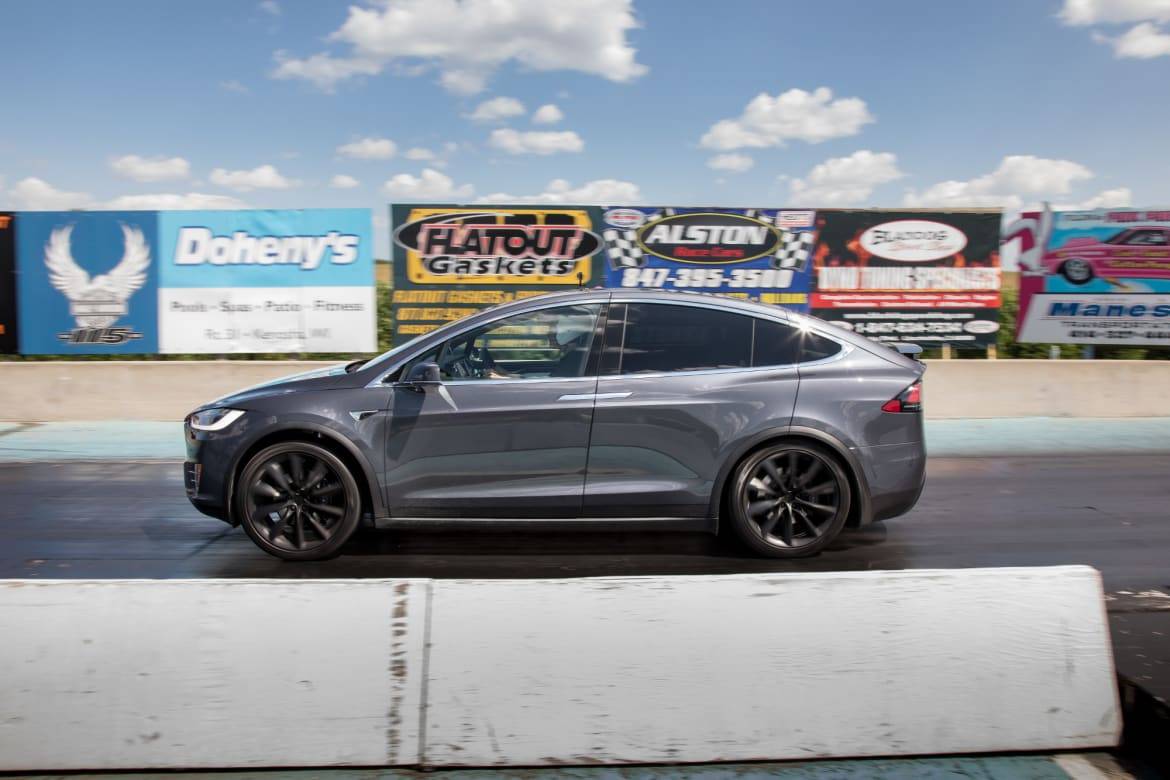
167	390
127	390
202	674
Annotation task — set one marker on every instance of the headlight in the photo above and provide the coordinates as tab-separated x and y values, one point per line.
214	419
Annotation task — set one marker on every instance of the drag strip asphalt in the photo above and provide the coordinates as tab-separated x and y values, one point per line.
117	519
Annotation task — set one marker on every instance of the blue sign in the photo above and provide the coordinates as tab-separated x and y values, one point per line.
88	282
310	247
761	254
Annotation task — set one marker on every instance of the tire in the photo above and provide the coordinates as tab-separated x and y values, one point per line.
298	501
1077	270
789	500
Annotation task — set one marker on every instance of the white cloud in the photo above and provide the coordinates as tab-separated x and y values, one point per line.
496	109
343	182
429	185
467	40
734	163
270	7
1143	41
263	177
191	200
369	149
322	70
845	181
419	153
36	194
1017	176
1118	197
535	142
548	114
793	115
597	192
234	86
1086	12
131	166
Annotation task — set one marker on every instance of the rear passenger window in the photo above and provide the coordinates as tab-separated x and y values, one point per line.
777	344
660	337
814	347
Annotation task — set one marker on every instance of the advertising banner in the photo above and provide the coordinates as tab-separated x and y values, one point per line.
266	281
761	254
451	261
8	341
1094	277
930	278
87	282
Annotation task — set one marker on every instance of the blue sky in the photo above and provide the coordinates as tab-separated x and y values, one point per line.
146	104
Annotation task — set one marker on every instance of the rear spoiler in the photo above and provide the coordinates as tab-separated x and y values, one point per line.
909	350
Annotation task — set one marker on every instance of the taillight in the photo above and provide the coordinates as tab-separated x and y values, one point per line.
909	400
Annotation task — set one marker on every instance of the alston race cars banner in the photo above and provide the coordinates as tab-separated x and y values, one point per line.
760	254
930	278
451	261
1094	277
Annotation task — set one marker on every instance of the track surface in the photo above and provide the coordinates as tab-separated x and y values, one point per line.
127	520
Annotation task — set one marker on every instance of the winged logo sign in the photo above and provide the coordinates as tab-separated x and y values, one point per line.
88	282
97	302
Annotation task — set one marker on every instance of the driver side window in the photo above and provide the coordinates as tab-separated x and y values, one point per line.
546	343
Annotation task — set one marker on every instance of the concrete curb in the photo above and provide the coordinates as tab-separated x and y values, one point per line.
136	674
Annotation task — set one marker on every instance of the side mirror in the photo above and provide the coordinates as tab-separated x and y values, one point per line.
423	374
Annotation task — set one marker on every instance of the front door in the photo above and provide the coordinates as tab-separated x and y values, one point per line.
506	433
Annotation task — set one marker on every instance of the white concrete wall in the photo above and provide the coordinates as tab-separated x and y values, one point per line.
210	673
219	673
167	390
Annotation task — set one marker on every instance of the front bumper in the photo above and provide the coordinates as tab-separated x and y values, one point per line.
208	468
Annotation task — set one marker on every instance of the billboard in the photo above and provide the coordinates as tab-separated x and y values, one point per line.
87	282
266	281
8	341
451	261
761	254
931	278
1094	277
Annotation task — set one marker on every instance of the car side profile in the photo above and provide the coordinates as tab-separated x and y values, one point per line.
595	409
1142	252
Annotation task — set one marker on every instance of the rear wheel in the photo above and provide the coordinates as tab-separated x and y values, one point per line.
298	501
789	500
1077	270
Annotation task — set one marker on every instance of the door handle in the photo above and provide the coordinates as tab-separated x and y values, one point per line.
594	396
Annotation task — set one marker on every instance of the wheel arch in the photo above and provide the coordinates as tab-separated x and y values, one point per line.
861	510
322	436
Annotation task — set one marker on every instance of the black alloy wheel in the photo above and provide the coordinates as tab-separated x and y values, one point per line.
298	501
790	500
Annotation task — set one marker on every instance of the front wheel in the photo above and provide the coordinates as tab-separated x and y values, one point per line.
789	500
298	501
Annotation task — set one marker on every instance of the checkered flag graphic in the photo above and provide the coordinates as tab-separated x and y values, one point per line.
622	245
795	249
795	246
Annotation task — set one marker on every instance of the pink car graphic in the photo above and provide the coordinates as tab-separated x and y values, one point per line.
1142	252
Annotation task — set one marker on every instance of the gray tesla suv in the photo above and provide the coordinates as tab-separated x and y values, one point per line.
595	409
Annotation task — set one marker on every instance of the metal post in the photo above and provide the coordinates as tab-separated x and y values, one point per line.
946	351
992	351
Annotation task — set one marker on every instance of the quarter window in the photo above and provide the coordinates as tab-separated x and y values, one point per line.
777	344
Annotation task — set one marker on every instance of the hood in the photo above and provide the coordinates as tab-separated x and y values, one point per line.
316	379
